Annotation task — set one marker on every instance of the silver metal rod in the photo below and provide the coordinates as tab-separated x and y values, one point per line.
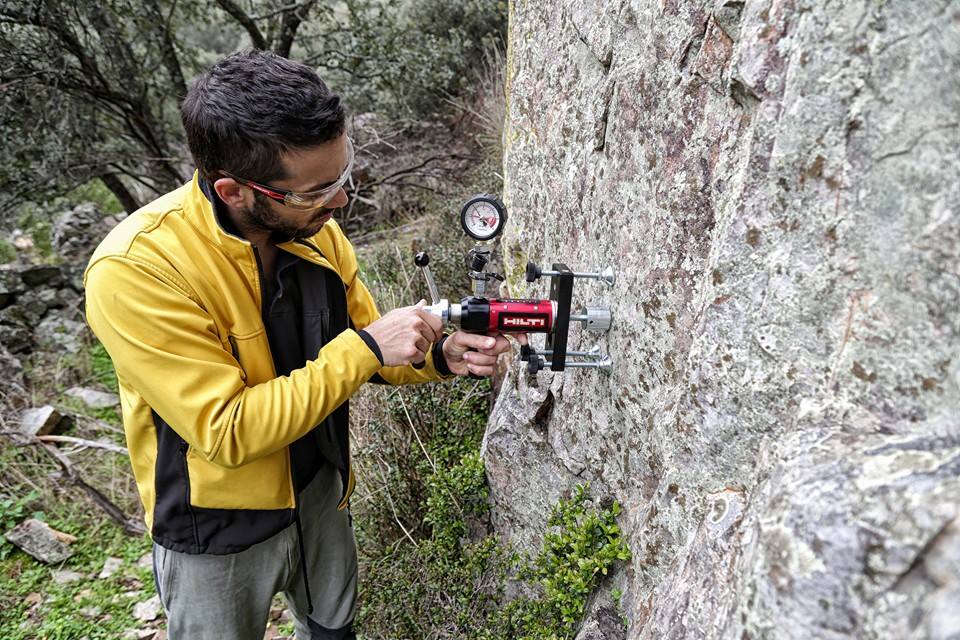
431	284
593	353
606	364
607	275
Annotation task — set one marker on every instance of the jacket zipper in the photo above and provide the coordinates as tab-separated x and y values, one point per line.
186	479
348	490
261	277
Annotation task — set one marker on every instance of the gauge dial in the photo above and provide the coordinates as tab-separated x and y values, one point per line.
483	217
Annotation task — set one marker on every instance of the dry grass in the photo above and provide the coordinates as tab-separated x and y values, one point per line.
485	110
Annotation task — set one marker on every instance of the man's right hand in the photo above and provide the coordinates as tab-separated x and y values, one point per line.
404	335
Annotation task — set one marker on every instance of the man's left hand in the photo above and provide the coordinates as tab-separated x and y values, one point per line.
476	353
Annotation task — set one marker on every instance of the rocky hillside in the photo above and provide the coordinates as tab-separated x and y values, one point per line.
778	187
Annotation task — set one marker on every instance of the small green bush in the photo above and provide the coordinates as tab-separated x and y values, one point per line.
8	253
579	550
404	57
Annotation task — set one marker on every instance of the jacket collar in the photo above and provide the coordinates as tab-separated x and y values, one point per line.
209	214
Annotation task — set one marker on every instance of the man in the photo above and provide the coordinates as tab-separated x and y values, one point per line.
239	330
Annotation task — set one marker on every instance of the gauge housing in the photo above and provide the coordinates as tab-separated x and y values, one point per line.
483	217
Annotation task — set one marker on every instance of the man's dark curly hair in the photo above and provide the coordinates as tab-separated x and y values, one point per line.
253	106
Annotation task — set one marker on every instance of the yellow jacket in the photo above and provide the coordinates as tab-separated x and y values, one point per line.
177	303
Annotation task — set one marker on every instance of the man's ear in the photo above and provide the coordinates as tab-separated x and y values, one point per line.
231	192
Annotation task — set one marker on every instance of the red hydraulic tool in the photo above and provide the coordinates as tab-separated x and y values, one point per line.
483	218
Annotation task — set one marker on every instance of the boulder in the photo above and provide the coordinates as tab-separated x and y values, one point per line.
40	274
43	421
10	285
59	333
77	232
93	398
39	540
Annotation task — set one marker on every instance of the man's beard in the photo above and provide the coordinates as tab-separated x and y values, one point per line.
262	217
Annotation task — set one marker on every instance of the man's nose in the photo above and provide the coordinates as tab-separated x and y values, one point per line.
338	200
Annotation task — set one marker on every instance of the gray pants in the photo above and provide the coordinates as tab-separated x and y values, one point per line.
228	597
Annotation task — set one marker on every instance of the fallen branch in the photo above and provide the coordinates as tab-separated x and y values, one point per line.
109	446
130	526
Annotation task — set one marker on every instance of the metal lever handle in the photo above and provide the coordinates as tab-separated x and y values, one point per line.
422	260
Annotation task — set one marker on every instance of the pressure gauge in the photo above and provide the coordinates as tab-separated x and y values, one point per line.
483	217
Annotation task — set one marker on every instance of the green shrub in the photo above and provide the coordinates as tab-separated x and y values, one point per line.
578	551
8	253
404	57
96	192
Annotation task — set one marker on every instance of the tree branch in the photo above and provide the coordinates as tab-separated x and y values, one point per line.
238	14
127	200
288	28
168	51
131	526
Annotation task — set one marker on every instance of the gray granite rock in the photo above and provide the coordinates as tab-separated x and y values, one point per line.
148	610
11	369
14	337
77	232
65	576
59	333
778	187
35	275
10	285
42	421
38	540
93	398
110	567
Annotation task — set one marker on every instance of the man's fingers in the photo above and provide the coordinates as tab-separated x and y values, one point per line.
486	372
502	345
480	358
423	345
466	341
434	323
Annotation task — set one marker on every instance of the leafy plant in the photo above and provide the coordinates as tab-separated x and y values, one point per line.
578	551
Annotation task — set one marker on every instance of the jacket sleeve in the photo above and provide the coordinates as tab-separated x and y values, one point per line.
165	346
363	311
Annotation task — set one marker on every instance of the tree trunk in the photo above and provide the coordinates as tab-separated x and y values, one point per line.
127	200
777	186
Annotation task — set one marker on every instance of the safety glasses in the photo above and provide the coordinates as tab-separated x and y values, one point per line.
305	200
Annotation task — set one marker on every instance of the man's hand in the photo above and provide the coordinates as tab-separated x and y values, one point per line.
404	335
458	350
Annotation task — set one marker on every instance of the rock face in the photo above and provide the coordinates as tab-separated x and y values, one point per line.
778	187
